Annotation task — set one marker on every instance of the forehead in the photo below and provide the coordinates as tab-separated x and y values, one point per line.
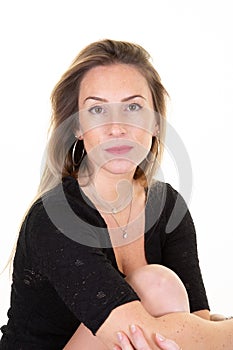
114	82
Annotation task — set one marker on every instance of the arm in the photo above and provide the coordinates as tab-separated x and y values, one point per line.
97	295
187	330
203	314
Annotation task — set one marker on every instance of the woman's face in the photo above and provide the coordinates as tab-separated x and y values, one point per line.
116	117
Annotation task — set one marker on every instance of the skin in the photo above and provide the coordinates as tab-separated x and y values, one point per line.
117	84
123	82
150	283
139	342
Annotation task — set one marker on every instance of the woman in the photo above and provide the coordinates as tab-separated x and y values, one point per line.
90	252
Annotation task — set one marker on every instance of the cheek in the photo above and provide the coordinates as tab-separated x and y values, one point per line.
143	138
92	140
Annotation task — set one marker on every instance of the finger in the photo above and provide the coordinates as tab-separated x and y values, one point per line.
166	344
116	347
124	341
138	338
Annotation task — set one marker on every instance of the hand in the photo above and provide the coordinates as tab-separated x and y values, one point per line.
139	341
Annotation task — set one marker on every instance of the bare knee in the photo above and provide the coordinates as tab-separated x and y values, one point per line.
160	290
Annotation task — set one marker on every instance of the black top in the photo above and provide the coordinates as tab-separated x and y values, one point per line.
65	271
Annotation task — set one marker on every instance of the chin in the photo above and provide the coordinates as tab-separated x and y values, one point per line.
120	166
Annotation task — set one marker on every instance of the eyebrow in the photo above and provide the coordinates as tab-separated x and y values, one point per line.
104	100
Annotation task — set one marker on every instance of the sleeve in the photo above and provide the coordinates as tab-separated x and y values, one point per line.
179	251
82	275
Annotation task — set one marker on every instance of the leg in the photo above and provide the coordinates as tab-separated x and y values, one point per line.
160	289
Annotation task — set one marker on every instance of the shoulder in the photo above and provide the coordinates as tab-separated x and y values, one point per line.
38	221
63	201
163	193
170	204
62	214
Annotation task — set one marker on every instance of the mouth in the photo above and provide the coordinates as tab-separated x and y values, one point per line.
118	150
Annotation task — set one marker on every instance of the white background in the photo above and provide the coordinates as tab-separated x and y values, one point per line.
191	46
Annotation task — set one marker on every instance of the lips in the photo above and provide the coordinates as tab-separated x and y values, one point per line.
118	150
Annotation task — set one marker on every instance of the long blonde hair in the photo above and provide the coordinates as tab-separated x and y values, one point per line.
64	99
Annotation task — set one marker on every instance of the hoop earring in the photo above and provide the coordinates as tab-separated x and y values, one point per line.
158	147
74	164
154	154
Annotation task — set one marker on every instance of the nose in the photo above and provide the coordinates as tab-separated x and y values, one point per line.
116	129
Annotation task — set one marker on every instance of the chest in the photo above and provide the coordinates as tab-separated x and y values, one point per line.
131	256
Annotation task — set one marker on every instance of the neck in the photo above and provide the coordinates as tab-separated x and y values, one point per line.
110	191
111	186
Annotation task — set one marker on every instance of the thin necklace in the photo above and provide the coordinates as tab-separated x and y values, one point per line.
124	228
108	208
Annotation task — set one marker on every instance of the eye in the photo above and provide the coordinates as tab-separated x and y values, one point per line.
96	110
134	107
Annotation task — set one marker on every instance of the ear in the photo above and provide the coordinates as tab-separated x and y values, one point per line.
78	135
156	130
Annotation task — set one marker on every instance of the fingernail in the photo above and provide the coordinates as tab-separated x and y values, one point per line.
160	337
133	328
119	336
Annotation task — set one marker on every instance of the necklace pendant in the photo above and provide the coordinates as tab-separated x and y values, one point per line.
125	234
114	211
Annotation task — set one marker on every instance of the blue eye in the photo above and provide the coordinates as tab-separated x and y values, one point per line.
134	107
96	110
